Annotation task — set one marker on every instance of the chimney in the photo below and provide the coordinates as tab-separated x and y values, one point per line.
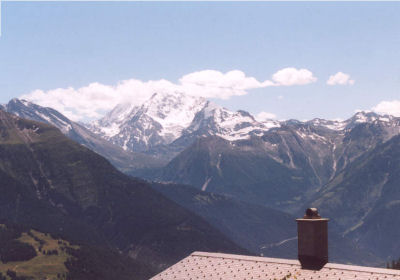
312	232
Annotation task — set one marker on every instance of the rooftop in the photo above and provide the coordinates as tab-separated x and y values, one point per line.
217	266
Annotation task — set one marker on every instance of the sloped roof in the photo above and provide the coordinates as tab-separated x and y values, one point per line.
216	266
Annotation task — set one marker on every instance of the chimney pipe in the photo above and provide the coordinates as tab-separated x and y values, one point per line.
312	232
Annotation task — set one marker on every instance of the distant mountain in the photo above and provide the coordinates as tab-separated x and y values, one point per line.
55	185
123	160
173	119
364	199
158	121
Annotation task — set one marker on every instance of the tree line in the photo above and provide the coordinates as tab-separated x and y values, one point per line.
394	264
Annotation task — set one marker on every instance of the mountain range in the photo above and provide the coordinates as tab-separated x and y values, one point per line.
285	165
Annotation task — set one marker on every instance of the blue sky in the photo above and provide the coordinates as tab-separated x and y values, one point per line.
51	45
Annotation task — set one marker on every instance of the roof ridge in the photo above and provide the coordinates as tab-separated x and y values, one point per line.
347	267
361	268
245	257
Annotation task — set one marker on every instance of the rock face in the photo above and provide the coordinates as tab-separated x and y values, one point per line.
55	185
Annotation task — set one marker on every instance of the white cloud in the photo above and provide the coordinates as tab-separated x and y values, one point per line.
215	84
94	100
263	116
388	107
340	78
292	76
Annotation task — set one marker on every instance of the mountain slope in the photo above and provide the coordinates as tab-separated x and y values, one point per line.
247	224
56	185
123	160
262	230
244	171
364	199
30	254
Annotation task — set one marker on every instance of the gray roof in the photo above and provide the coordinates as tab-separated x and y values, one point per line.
216	266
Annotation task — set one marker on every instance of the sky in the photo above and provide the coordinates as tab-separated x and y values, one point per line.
280	60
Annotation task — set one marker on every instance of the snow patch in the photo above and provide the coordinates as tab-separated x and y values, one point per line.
204	187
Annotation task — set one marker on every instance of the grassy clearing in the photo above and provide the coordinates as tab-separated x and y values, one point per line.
50	259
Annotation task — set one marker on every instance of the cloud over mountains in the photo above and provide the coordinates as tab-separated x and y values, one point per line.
92	101
388	107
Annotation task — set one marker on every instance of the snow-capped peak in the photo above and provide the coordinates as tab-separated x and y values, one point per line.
216	120
330	124
110	124
174	111
369	117
358	118
29	110
364	116
159	120
165	117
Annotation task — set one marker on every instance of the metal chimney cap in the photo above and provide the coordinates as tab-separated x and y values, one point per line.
312	213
